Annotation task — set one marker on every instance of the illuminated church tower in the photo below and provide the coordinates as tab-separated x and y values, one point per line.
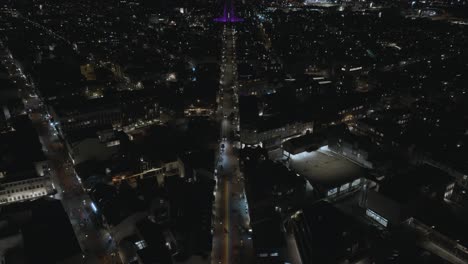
228	13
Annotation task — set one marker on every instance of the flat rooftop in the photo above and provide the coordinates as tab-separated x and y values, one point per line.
325	167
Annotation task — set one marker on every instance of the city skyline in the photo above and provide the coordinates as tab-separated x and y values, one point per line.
233	132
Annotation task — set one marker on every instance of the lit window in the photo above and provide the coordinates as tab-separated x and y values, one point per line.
377	217
332	191
344	187
140	244
448	194
356	182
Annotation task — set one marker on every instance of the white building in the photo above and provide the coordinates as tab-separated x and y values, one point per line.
26	190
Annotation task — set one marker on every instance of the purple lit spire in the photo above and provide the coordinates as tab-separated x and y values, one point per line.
228	15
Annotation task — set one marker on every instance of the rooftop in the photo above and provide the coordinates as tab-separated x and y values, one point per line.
324	167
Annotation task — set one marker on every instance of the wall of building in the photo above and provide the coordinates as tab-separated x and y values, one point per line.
25	190
277	135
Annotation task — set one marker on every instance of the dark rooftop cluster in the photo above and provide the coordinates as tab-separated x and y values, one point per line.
280	131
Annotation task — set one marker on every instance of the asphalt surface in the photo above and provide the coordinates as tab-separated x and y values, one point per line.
95	241
231	226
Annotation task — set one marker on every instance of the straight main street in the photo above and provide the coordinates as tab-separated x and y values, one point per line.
232	241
